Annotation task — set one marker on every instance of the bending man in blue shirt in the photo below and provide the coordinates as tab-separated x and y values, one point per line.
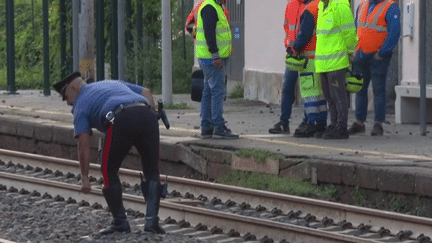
125	113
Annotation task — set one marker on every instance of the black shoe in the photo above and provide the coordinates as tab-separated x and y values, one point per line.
377	130
206	134
303	125
113	197
308	132
119	225
337	133
152	192
320	133
356	128
224	133
279	128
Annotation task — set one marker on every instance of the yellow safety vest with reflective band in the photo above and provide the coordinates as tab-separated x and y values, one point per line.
336	36
223	33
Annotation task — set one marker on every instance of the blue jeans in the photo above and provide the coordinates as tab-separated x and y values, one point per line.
288	94
376	71
212	96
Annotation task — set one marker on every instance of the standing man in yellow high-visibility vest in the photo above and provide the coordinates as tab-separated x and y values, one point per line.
213	47
336	42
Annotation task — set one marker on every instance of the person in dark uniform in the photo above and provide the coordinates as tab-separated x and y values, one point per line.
126	114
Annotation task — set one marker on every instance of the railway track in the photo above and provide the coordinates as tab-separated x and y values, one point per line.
224	208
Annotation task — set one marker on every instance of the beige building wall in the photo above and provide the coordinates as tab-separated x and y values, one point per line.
264	50
407	106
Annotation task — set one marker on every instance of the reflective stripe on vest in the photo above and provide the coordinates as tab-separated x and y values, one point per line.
335	36
223	33
292	21
372	29
374	24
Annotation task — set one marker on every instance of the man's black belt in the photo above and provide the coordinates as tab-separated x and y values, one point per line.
109	118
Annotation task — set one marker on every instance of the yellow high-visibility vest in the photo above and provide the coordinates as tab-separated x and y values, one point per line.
336	36
223	33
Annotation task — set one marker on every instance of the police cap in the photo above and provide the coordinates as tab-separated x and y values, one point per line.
60	87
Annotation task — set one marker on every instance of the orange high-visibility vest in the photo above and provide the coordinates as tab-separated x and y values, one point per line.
372	29
309	49
293	11
193	15
192	18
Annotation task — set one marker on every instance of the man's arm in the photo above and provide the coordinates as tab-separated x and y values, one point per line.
190	21
307	26
149	96
394	30
210	18
84	159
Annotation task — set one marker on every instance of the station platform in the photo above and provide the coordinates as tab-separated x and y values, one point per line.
400	161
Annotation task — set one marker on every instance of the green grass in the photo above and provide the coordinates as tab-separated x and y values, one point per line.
259	155
273	183
177	106
358	195
237	92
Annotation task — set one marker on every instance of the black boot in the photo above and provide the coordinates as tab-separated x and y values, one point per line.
152	191
113	197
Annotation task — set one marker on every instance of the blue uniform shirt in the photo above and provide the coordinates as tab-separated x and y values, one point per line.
95	100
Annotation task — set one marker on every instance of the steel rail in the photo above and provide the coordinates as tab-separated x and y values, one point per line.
225	221
319	208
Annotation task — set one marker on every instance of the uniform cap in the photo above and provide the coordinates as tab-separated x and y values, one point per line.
60	87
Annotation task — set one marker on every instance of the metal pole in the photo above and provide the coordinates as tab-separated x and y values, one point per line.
86	40
166	53
139	42
62	8
121	40
422	67
75	36
10	49
114	41
47	88
100	52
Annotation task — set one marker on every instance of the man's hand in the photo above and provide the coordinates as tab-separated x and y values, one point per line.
377	57
352	56
85	185
217	63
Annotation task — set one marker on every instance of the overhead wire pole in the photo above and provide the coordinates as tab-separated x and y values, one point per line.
166	52
47	88
86	40
100	51
10	47
422	67
75	35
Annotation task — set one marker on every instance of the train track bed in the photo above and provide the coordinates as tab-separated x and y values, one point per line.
194	211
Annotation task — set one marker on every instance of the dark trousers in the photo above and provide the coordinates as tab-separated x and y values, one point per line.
375	71
333	86
136	126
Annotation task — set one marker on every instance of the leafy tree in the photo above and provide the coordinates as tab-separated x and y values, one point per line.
29	44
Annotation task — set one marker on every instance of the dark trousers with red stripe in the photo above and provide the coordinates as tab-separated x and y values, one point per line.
136	126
